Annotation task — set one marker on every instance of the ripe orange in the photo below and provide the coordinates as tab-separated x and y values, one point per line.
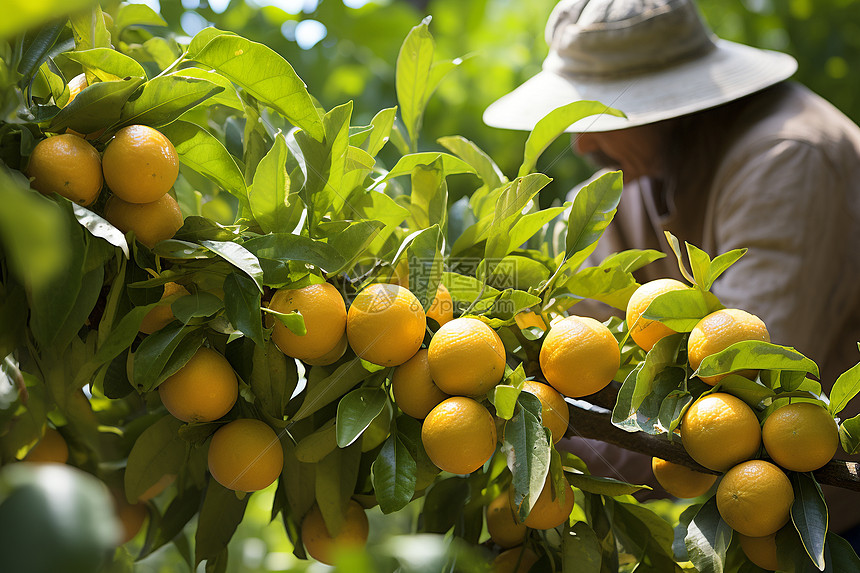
516	560
201	391
324	313
550	510
718	331
245	455
162	315
760	550
140	164
321	545
720	431
68	165
131	515
502	523
413	388
579	356
385	324
151	222
332	355
646	332
467	357
681	481
442	308
51	448
555	414
754	498
459	435
800	437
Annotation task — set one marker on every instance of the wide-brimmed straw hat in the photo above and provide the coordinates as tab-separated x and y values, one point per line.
651	59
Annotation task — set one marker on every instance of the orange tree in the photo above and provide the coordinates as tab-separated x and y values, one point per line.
187	363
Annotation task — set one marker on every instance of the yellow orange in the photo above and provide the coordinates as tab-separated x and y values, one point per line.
67	165
555	414
51	448
760	550
516	560
201	391
459	435
754	498
162	315
681	481
245	455
442	308
321	545
800	437
385	324
579	356
140	164
324	313
720	431
718	331
413	387
502	523
151	222
647	332
131	515
467	357
550	510
332	355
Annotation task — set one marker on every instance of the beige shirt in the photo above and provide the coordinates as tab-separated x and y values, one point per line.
789	191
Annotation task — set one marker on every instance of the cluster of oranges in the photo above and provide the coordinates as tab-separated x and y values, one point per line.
722	433
139	165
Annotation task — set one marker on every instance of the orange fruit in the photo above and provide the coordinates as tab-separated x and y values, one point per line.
321	545
467	357
681	481
718	331
131	515
140	164
385	324
51	448
332	355
245	455
550	510
720	431
516	560
579	356
800	437
527	318
646	332
324	313
502	523
442	308
201	391
555	414
162	315
459	435
151	222
754	498
76	85
413	388
760	550
68	165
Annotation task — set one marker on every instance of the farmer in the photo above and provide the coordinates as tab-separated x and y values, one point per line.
719	149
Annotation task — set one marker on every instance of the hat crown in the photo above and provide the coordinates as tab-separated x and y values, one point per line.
612	38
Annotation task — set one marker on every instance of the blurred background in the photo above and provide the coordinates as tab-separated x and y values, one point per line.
346	50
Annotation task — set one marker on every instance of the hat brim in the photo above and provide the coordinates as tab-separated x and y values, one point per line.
725	74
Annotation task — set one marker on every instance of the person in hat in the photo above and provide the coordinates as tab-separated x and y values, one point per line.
720	149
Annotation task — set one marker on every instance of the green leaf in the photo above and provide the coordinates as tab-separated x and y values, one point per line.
680	310
352	242
394	475
849	434
270	191
163	353
527	451
239	257
581	549
429	196
608	285
264	74
809	516
412	74
708	538
242	302
504	400
483	165
750	391
378	136
842	554
165	98
662	355
220	515
515	197
844	389
451	165
88	28
603	485
325	163
157	451
196	305
294	321
202	152
95	107
466	288
274	377
592	210
676	249
314	447
100	227
553	124
424	254
335	484
228	96
443	504
321	392
721	263
107	64
356	411
631	260
700	263
136	15
754	354
281	248
39	50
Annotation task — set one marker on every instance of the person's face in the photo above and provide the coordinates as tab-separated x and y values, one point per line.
636	151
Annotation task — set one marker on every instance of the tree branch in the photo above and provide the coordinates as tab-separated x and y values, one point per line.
597	424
